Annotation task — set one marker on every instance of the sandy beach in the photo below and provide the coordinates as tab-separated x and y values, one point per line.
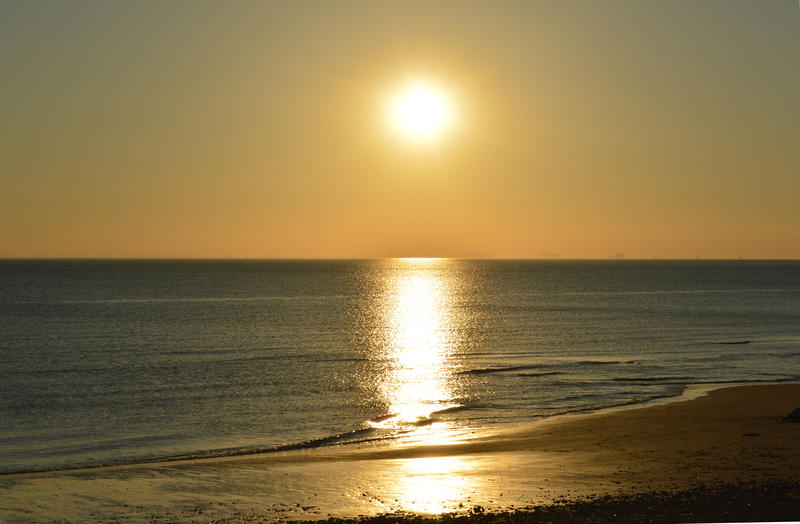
731	437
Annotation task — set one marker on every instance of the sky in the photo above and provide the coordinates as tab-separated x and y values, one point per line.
581	129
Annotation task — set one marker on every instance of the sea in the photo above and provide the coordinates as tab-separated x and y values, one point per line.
108	362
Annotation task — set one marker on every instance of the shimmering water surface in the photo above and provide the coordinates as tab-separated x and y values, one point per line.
121	361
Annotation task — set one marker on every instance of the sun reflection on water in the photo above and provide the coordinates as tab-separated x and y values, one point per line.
418	325
418	322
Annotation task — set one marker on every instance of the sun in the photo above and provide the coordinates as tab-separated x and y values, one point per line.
420	111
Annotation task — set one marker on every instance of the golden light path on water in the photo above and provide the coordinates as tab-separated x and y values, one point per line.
420	321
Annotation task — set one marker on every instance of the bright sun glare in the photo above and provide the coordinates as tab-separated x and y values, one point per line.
420	111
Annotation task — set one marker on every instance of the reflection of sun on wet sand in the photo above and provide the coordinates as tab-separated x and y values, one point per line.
734	435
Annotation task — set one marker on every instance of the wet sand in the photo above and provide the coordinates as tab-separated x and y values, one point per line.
732	439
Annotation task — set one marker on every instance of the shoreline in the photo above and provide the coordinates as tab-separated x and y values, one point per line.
731	436
689	392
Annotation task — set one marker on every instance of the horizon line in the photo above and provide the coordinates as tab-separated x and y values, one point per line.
539	259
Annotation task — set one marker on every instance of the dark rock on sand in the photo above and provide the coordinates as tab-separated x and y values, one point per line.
794	416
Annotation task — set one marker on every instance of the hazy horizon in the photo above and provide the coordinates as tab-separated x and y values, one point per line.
259	130
421	258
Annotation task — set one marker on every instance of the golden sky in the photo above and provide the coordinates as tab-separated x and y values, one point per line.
259	129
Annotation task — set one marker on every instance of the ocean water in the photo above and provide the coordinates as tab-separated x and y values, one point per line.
111	362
